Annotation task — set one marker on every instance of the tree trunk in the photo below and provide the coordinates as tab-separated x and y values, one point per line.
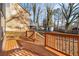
37	26
0	19
67	28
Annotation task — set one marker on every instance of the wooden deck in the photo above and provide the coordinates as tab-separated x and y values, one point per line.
11	44
20	46
15	46
38	49
25	48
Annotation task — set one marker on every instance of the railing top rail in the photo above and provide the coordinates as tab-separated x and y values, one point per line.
30	30
62	34
39	35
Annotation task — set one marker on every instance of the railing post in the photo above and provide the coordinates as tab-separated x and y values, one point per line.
45	39
78	45
26	33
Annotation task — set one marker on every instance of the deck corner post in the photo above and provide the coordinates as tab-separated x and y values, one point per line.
26	33
78	46
45	40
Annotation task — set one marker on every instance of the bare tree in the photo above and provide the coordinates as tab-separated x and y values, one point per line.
57	18
49	21
36	14
70	13
34	11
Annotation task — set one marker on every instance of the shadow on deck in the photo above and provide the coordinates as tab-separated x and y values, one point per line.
38	49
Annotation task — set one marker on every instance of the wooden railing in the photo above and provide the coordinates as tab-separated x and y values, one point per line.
65	43
35	36
40	39
30	35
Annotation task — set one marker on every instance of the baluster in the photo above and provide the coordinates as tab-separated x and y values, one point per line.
65	44
50	40
62	43
78	45
69	45
57	41
54	41
73	45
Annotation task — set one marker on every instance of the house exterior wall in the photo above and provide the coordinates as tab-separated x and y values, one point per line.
17	24
18	20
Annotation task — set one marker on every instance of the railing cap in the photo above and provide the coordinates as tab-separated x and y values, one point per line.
63	34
